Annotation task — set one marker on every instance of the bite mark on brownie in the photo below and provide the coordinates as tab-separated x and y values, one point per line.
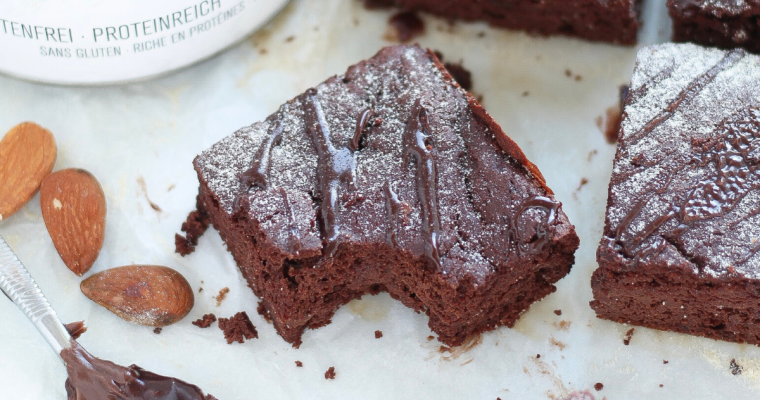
238	328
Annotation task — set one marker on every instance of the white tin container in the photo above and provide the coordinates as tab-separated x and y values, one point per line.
96	42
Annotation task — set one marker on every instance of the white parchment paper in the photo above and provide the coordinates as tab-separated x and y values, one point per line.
150	132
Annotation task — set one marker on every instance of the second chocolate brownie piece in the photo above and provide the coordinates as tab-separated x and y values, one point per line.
722	23
613	21
681	242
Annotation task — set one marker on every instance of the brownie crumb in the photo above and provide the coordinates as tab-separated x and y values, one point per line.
200	290
557	312
431	337
481	34
628	336
525	93
290	38
158	330
665	361
237	328
598	386
578	78
461	74
221	296
736	369
194	227
406	26
330	373
378	334
568	73
76	329
538	355
661	385
262	310
299	364
206	321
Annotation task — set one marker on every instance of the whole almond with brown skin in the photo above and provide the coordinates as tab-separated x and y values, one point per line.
27	154
74	210
144	294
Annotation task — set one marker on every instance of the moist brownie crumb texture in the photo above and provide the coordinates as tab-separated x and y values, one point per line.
237	328
602	20
205	321
722	23
681	238
388	178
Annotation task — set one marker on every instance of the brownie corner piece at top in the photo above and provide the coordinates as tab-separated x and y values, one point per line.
721	23
388	178
681	237
614	21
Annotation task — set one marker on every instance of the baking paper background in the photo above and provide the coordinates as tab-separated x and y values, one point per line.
150	132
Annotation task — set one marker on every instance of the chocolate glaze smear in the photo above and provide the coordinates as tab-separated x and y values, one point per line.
418	145
91	378
258	174
334	166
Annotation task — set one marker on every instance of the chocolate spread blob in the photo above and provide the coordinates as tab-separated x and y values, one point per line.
91	378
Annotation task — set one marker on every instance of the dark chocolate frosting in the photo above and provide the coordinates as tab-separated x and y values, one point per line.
91	378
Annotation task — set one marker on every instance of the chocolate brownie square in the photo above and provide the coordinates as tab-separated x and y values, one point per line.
681	237
721	23
388	178
613	21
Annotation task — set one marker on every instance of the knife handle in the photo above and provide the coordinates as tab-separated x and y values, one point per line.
20	287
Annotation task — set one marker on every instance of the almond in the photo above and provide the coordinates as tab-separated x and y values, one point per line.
27	154
74	210
144	294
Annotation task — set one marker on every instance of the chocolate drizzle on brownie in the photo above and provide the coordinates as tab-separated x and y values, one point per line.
737	160
334	166
361	124
392	206
415	208
545	204
737	166
691	91
418	145
258	174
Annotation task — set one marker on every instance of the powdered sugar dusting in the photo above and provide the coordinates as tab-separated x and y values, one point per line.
463	149
659	178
